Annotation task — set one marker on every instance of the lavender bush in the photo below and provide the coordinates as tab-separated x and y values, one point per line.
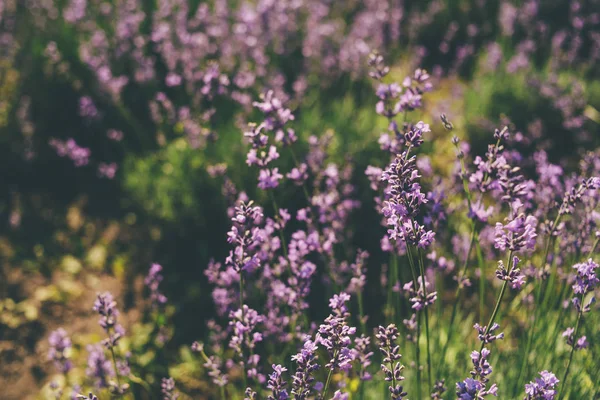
302	199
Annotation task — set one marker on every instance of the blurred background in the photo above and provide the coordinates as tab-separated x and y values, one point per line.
115	114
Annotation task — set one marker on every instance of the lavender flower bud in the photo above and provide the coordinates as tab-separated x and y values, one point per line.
391	366
167	388
277	384
542	388
60	349
306	362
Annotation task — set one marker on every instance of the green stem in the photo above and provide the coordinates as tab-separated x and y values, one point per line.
276	208
329	376
577	324
417	348
389	310
242	311
141	382
550	286
538	295
456	301
392	367
422	268
593	249
361	313
500	296
114	360
482	275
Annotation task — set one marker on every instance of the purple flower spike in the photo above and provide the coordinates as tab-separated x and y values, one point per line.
542	388
391	366
306	362
59	351
153	279
107	308
277	384
167	388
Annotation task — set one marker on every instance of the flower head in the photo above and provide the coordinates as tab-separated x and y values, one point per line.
542	388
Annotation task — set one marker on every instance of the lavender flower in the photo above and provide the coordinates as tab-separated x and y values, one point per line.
107	308
475	388
167	388
405	199
212	364
152	281
250	394
391	366
417	297
335	334
411	327
79	155
90	396
587	279
517	234
514	277
99	368
59	351
438	390
569	335
269	178
577	193
246	236
339	395
363	354
244	322
306	362
542	388
488	337
277	384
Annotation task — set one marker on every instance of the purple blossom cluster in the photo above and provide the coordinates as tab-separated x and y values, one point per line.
284	260
306	365
106	307
420	298
390	364
514	277
152	281
476	387
69	148
543	388
167	387
335	334
59	351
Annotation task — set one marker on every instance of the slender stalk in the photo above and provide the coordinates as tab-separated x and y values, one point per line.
389	309
500	296
396	278
422	268
114	360
141	382
418	355
538	296
593	249
562	296
329	377
455	305
361	313
242	310
550	285
482	275
281	237
577	324
417	348
392	368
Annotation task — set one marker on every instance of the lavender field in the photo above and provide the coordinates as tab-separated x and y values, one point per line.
299	199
